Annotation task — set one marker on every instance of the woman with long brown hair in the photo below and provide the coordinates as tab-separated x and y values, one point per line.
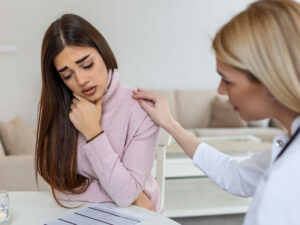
95	143
258	59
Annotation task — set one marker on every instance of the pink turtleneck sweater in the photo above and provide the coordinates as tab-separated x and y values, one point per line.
119	161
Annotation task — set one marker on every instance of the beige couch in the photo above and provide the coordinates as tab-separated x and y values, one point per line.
17	141
207	114
202	112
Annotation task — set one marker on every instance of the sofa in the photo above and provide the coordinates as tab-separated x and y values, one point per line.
204	113
210	117
17	145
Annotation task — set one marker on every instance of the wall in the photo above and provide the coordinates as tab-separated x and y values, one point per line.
158	43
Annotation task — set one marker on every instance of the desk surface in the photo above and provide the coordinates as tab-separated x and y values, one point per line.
37	208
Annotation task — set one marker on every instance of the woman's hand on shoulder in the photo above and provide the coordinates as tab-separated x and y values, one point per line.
86	116
159	111
144	202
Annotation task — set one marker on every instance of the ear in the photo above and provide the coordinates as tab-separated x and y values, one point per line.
270	95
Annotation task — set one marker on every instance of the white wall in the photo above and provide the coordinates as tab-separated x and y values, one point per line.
158	43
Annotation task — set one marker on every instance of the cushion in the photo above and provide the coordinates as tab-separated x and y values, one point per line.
2	152
18	137
193	107
223	114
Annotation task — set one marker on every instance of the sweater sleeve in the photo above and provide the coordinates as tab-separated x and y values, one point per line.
238	178
123	179
94	193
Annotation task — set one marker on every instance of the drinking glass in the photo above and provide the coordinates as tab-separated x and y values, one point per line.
4	208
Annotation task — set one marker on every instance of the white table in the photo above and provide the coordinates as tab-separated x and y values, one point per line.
37	208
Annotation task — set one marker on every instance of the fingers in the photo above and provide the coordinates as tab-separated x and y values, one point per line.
78	99
143	94
75	101
149	95
148	108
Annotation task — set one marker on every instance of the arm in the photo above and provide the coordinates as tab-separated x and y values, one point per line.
124	180
93	193
185	139
160	114
236	178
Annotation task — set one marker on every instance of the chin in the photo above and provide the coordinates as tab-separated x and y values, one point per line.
95	98
245	118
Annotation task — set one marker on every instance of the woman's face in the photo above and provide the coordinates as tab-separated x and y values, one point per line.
251	99
83	71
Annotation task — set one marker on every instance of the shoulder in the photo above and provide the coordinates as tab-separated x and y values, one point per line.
137	115
130	102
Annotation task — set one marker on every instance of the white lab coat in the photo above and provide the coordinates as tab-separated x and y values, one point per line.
274	186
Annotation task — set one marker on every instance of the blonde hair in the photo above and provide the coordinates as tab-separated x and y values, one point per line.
264	41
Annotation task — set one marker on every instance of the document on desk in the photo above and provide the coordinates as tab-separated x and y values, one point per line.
100	213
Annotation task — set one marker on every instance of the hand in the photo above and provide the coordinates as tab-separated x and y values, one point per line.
160	114
159	111
86	116
143	201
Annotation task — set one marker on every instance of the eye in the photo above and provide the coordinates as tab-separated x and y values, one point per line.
88	66
227	82
67	77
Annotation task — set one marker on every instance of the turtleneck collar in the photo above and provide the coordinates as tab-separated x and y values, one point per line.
109	98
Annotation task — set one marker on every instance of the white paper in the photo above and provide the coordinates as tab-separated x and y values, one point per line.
100	213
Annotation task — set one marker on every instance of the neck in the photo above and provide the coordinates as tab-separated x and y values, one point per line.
286	118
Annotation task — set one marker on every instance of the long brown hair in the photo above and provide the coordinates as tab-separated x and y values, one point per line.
56	146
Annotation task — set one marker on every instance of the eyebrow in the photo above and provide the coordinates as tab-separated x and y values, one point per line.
63	69
82	59
77	62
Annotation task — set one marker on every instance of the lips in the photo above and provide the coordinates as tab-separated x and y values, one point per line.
89	90
234	107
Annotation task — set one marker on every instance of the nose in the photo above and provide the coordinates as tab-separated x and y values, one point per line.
81	78
222	90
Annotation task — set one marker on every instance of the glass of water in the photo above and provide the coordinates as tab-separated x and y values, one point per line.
4	208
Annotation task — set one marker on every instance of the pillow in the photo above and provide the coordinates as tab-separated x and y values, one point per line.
2	152
18	137
193	107
223	114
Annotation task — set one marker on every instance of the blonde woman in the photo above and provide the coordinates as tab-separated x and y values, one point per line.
258	59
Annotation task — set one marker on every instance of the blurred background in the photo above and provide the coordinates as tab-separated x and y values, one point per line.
158	44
